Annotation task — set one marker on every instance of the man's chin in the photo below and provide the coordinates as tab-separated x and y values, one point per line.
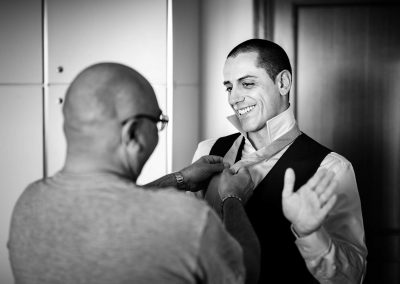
248	128
248	123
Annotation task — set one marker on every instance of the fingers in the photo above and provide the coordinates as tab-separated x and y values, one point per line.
240	178
214	163
240	184
316	178
227	172
216	167
328	206
243	170
244	174
328	192
212	159
324	182
288	183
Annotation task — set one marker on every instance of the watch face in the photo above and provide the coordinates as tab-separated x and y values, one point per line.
180	180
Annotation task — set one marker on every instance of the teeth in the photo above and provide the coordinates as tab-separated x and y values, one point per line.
245	110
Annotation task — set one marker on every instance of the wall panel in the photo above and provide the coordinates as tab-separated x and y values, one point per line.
83	32
21	155
21	42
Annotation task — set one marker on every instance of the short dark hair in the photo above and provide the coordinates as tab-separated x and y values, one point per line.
271	56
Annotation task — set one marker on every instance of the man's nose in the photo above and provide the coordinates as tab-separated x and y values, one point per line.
235	97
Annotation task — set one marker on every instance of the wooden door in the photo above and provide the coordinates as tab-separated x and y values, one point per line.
346	57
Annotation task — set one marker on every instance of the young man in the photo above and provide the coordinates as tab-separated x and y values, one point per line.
310	235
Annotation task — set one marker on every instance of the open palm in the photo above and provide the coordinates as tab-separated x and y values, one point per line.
308	207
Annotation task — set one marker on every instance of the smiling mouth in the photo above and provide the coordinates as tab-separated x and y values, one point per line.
245	110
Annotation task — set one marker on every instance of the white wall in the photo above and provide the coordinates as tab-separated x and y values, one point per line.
224	24
186	108
203	34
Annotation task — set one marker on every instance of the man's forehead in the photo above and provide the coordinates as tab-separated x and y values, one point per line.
242	65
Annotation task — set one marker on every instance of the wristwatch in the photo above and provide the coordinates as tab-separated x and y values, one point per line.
180	181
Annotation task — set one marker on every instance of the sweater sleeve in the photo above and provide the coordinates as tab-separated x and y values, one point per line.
220	257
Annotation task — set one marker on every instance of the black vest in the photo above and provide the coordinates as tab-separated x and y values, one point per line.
281	261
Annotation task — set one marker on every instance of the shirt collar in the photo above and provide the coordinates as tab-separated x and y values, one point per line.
277	126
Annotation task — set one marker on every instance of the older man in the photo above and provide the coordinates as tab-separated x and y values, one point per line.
90	222
312	234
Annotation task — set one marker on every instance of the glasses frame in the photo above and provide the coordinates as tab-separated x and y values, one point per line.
160	122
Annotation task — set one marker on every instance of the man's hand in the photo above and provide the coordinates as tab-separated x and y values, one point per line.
239	184
198	174
308	207
227	183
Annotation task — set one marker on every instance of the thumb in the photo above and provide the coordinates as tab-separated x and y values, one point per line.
288	183
219	167
227	172
243	170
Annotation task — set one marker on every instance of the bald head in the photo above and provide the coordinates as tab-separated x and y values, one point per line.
98	100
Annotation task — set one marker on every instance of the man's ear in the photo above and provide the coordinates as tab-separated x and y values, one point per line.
130	136
284	82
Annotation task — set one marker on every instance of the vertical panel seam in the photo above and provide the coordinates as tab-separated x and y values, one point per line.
45	90
170	85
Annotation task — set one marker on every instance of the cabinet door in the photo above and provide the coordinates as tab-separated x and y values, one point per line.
83	32
21	155
21	41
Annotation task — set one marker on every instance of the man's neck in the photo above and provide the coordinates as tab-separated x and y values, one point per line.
82	164
259	139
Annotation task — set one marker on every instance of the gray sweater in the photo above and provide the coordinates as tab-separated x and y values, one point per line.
101	228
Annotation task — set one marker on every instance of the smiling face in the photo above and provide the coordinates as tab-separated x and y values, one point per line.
253	95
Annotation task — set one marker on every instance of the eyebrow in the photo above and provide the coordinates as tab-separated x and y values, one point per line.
241	78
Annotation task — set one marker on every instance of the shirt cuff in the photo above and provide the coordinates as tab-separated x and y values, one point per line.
314	245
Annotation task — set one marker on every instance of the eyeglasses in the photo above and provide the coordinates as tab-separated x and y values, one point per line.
160	122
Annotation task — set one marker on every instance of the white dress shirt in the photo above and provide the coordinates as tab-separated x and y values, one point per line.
336	253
